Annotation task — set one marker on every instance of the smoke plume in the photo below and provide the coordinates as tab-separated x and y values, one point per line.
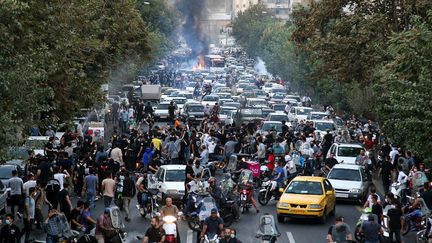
193	13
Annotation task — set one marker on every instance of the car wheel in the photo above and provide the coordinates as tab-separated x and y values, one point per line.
323	218
280	218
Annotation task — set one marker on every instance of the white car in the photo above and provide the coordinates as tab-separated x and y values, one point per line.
346	152
321	127
279	117
317	115
226	114
161	111
349	181
169	179
299	113
37	144
210	100
256	102
179	101
267	126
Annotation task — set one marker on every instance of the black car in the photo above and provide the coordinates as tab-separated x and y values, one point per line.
194	112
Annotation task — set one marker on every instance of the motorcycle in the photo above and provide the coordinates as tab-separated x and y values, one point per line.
210	238
170	228
414	219
358	235
203	207
267	229
245	185
268	189
120	235
152	205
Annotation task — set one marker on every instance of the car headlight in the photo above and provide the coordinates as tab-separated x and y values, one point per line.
283	205
315	206
354	190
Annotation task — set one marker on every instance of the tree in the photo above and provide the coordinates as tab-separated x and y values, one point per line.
56	54
404	85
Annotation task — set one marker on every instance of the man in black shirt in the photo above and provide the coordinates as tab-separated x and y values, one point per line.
377	208
385	172
330	162
171	111
76	215
395	222
155	233
427	195
10	233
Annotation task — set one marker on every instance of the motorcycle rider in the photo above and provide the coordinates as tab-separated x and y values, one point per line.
339	232
215	191
402	180
229	236
142	195
155	233
212	225
330	162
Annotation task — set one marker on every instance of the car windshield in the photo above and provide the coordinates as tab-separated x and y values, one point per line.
268	85
278	96
224	96
258	102
187	96
348	151
303	111
196	108
210	98
279	107
251	112
323	126
235	105
179	101
174	175
225	112
270	126
345	175
6	172
278	91
317	116
305	187
163	106
278	118
260	92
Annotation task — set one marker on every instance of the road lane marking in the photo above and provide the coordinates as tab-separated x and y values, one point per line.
290	237
189	236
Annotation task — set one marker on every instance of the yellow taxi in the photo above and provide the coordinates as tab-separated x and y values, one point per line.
307	197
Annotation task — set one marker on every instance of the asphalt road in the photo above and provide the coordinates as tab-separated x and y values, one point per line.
292	231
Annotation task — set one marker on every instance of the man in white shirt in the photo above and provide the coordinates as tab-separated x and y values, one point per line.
117	155
60	176
393	154
31	182
402	180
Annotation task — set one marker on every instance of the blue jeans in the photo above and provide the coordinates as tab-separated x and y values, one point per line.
144	199
90	197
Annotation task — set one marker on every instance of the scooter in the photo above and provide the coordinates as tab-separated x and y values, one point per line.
210	238
267	229
414	222
358	235
170	228
244	198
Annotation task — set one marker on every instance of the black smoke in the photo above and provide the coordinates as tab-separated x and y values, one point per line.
193	13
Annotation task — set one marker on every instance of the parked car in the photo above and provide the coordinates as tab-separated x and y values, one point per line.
349	181
4	191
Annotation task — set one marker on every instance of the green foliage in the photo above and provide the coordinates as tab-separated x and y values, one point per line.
56	54
405	88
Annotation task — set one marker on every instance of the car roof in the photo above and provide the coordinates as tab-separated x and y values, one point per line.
38	138
174	167
308	178
318	112
272	122
347	166
277	114
324	121
302	107
352	145
165	102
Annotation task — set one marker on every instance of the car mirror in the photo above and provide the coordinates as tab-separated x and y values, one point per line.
328	193
281	190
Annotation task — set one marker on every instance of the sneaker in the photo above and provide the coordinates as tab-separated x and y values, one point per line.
258	211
